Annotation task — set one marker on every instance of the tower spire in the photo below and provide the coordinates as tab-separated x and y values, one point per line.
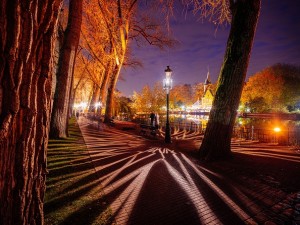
207	80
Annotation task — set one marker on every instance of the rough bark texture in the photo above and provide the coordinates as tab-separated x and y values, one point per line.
217	138
110	94
104	83
59	118
123	24
26	55
95	98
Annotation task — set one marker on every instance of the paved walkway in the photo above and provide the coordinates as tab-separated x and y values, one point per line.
147	182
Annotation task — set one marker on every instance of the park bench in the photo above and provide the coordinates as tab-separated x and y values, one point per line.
148	130
111	122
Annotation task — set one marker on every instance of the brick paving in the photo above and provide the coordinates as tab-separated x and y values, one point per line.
148	182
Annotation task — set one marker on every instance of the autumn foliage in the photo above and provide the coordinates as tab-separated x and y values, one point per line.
274	89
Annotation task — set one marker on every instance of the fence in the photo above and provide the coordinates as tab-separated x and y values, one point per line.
188	126
183	125
284	137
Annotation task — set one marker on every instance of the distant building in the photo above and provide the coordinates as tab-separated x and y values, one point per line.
205	104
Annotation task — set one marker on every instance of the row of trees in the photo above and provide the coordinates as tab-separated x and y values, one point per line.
27	44
274	89
153	100
91	36
107	27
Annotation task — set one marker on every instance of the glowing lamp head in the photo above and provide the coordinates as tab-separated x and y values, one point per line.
167	84
277	129
168	72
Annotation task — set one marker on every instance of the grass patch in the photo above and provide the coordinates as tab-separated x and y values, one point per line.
73	194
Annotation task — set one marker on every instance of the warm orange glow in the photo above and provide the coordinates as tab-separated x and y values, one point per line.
277	129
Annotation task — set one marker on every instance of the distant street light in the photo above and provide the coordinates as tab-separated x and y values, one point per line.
168	86
277	129
98	107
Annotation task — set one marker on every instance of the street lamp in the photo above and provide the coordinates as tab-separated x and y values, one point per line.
168	86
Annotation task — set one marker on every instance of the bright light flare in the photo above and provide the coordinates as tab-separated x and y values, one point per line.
98	104
83	104
277	129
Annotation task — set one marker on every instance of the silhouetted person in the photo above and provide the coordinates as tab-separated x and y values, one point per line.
152	118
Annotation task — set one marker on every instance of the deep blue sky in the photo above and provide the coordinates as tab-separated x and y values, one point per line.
277	40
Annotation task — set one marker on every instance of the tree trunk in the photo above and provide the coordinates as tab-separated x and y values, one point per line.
26	51
110	94
217	138
59	118
105	80
95	98
71	102
74	88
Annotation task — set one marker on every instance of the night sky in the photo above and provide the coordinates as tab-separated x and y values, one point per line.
201	47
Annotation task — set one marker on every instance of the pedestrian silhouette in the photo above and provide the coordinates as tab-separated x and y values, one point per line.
152	119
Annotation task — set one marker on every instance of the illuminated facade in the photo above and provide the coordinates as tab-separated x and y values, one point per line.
205	104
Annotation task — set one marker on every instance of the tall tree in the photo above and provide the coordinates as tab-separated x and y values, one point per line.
26	51
79	78
149	100
59	118
217	137
274	89
113	26
181	94
119	42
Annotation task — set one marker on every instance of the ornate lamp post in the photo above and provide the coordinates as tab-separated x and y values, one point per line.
168	86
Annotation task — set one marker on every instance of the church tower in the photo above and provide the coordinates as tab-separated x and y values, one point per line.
207	82
208	95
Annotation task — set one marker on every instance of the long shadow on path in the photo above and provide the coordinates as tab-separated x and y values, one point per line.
147	182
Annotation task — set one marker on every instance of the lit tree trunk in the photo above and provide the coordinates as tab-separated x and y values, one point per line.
119	57
95	98
217	138
59	118
110	94
26	61
74	90
104	82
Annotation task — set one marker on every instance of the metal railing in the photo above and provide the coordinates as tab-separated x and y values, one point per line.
184	125
284	137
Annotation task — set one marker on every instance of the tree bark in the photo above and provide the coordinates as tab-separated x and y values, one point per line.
59	118
110	94
217	137
26	51
95	98
103	89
